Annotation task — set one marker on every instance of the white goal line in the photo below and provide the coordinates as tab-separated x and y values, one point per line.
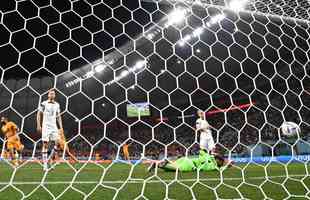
137	181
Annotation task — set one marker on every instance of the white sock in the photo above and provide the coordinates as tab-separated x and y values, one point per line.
44	158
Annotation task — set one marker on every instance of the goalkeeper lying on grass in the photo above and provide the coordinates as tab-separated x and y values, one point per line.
204	162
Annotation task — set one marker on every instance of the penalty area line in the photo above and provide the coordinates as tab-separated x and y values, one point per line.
135	181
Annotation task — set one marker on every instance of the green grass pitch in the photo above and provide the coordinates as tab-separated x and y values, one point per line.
124	181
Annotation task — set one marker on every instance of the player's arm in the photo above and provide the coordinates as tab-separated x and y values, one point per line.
39	117
3	131
198	126
59	120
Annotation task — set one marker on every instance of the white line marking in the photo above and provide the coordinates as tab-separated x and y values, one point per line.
151	181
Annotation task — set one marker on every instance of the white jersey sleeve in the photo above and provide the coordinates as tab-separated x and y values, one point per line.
198	124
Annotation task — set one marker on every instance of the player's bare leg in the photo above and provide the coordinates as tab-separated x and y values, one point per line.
72	157
19	150
13	157
18	154
56	158
45	156
4	153
126	156
54	155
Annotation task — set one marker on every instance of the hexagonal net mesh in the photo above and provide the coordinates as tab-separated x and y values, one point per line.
130	76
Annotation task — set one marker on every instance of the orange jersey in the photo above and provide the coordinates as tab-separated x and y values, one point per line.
13	142
97	155
125	148
9	129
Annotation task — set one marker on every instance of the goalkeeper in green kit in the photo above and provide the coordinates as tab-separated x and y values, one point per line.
207	160
204	162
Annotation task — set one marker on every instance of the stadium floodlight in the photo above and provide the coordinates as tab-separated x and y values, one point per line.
198	31
150	36
75	81
195	33
181	43
217	18
89	74
111	62
100	68
237	5
124	73
187	38
139	64
176	17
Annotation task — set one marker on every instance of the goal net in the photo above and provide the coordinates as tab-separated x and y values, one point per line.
130	76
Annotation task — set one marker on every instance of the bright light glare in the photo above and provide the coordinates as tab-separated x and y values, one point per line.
198	31
187	38
217	18
99	68
111	62
149	36
176	17
237	5
124	73
89	74
182	43
140	64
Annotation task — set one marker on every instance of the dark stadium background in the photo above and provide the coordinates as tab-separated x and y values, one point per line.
246	60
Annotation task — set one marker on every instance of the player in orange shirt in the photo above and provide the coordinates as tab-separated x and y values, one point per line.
63	146
13	144
125	151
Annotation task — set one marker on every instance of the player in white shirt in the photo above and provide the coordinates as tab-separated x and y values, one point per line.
50	110
206	140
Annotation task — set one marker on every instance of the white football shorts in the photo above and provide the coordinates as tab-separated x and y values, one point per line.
50	135
206	141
